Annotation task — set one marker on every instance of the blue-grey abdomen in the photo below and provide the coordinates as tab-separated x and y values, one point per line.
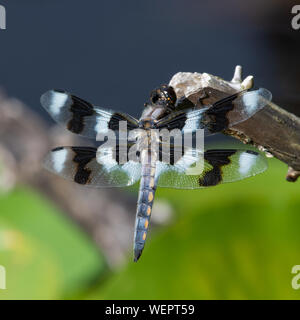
144	207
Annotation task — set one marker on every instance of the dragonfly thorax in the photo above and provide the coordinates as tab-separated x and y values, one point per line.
152	113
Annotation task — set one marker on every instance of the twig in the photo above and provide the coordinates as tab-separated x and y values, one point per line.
272	130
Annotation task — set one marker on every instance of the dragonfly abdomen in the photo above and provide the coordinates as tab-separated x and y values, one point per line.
144	206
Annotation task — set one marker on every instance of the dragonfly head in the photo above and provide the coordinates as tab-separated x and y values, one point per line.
164	96
162	102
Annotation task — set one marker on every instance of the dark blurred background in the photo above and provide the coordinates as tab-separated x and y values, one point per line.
114	52
59	240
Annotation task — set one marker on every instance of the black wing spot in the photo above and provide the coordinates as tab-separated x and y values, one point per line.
177	122
216	116
113	123
252	152
82	157
59	90
184	103
57	149
211	178
217	159
80	109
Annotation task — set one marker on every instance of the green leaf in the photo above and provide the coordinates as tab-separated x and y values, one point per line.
45	254
235	241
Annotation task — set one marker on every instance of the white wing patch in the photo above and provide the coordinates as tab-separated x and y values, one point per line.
192	122
160	168
59	158
134	174
57	101
190	157
246	162
102	123
105	157
250	101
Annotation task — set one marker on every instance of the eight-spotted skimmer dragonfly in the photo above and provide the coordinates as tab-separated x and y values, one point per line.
99	167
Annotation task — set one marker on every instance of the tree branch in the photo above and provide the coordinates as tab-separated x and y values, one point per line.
272	130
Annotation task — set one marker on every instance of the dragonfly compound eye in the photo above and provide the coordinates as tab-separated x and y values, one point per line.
164	95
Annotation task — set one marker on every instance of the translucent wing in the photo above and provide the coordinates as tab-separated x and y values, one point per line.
241	108
223	114
81	117
92	167
216	166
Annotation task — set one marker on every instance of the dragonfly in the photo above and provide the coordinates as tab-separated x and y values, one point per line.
101	166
